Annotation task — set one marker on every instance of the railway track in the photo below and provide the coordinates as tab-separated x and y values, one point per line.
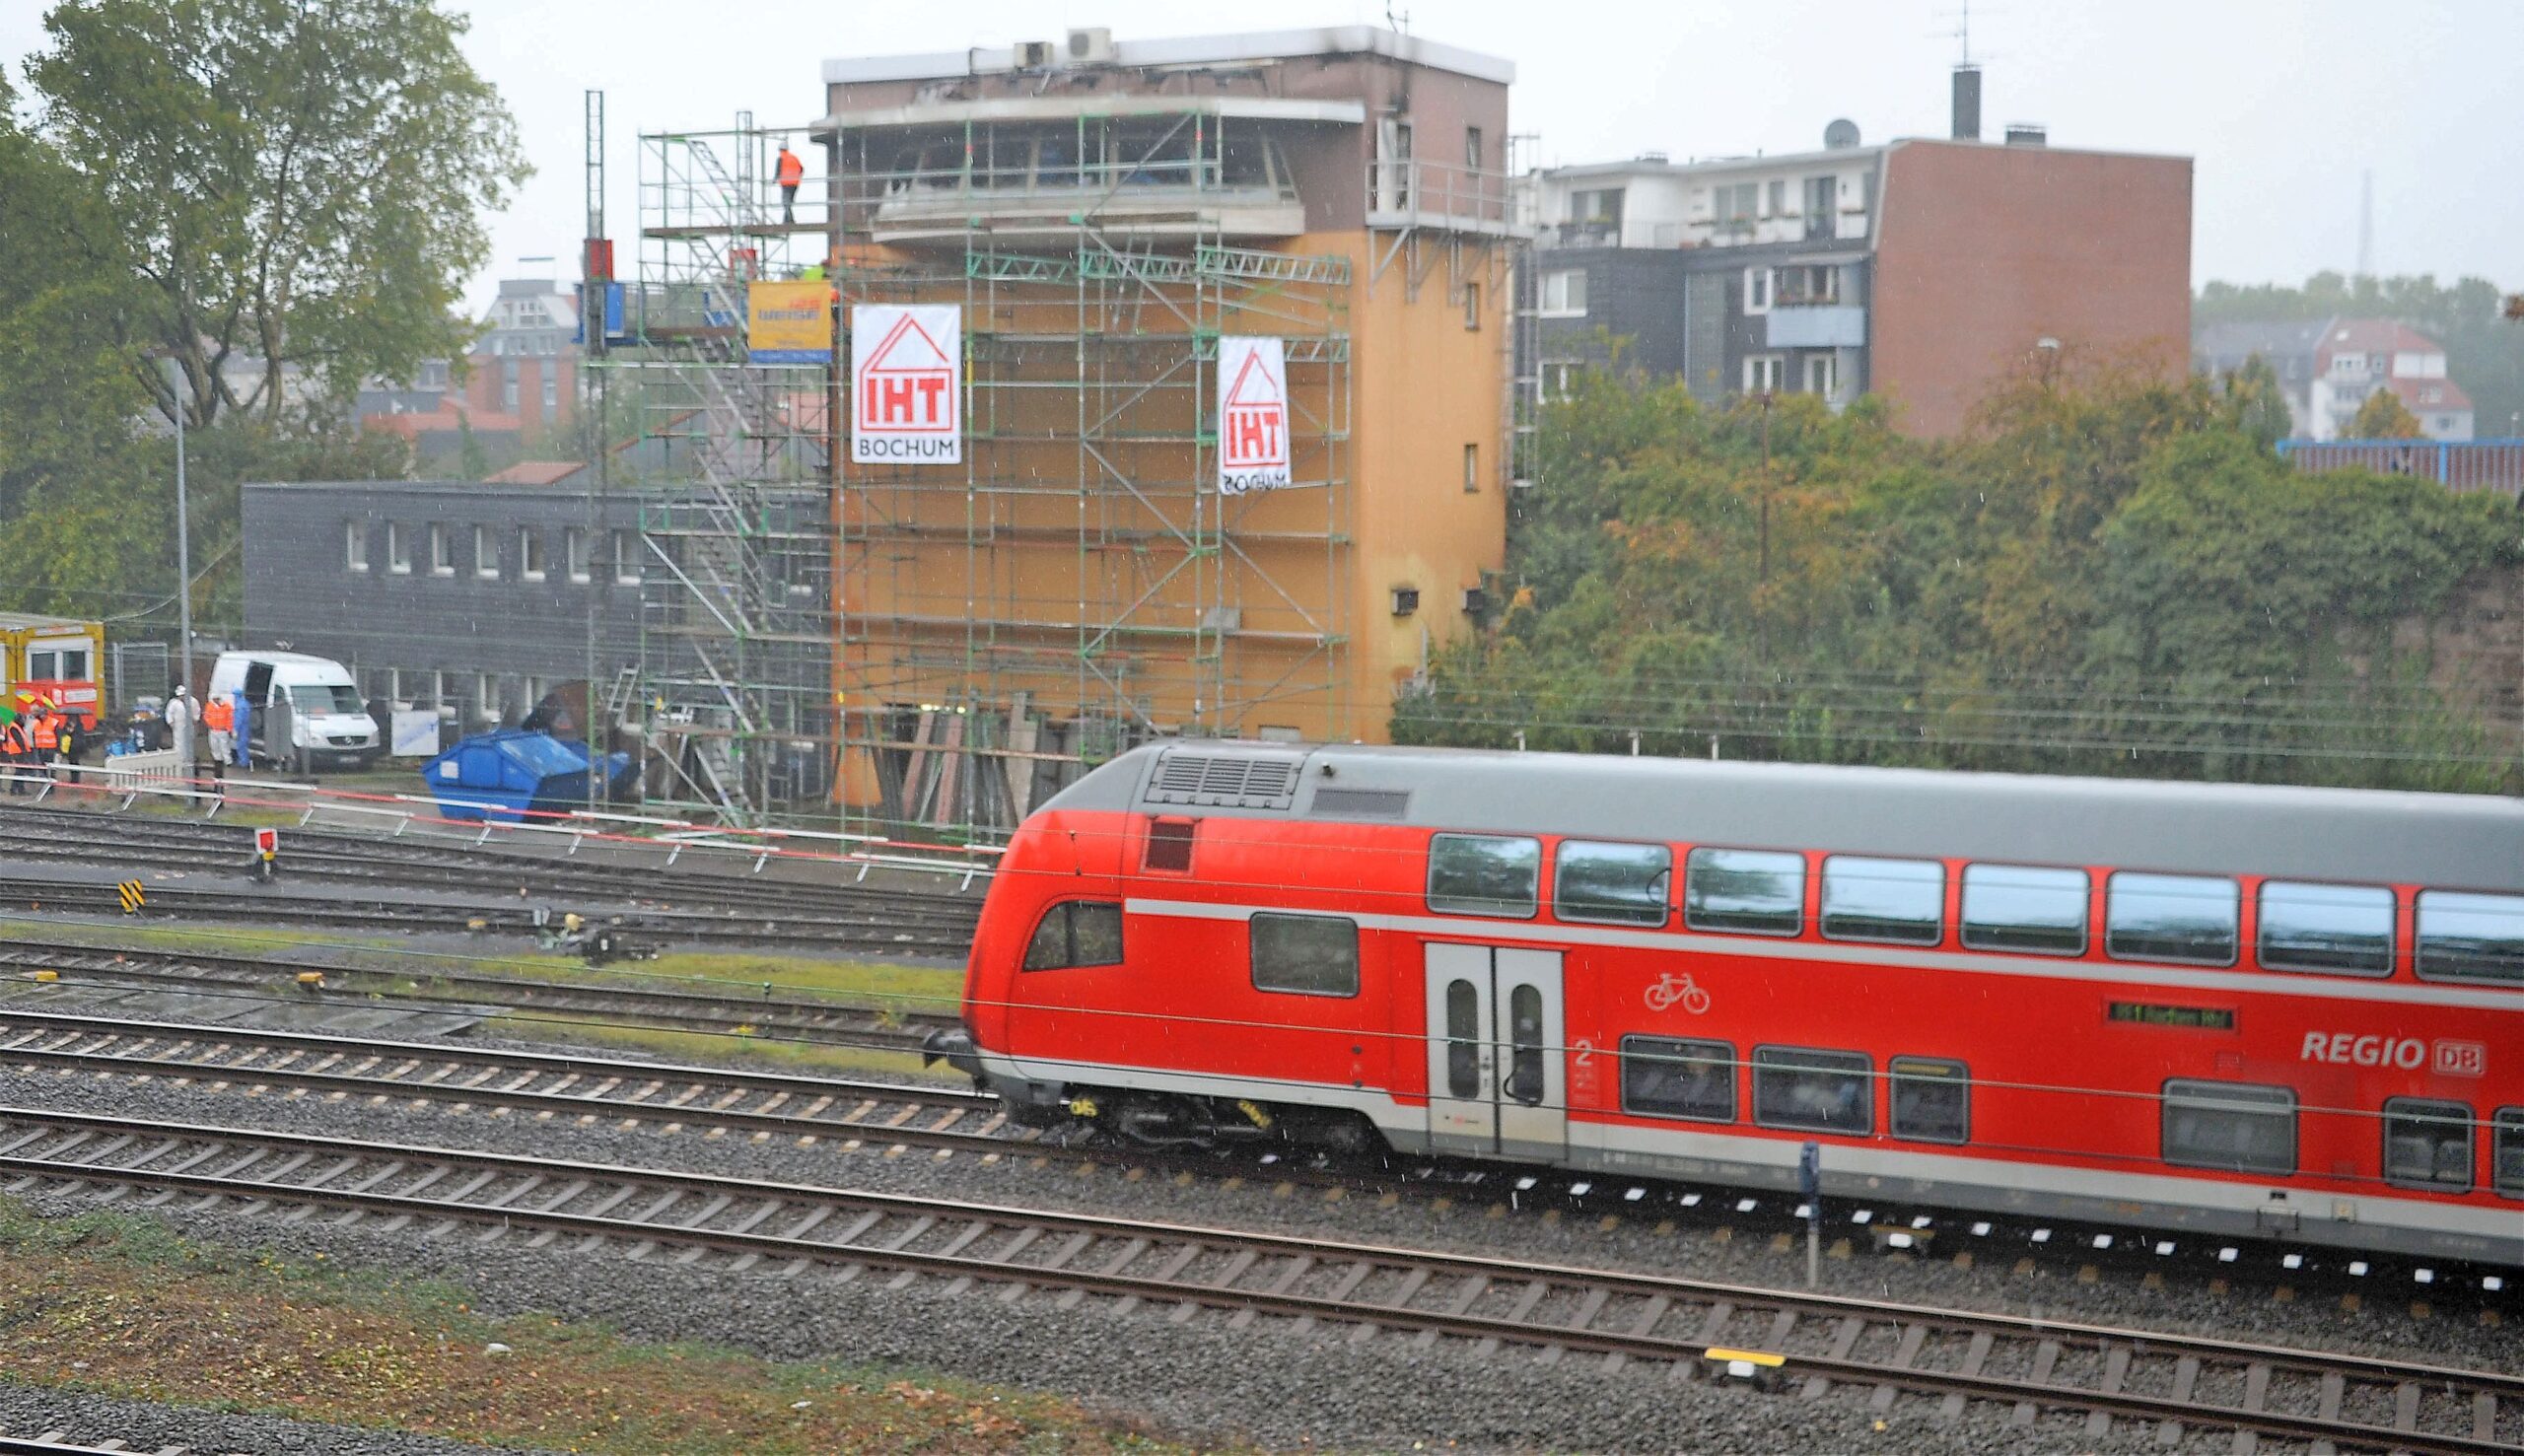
1888	1353
865	933
842	1023
76	836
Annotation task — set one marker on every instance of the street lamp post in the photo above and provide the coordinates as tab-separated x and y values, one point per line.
183	534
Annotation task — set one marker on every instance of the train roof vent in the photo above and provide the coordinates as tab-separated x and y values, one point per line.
1225	780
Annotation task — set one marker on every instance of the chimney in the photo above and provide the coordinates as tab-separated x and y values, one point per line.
2027	134
1967	103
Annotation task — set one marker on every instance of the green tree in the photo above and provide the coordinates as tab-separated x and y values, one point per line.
2384	417
287	180
2257	403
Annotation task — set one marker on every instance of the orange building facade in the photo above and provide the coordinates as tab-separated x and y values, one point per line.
1108	220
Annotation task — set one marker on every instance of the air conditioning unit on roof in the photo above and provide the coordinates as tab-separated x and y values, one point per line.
1035	55
1091	47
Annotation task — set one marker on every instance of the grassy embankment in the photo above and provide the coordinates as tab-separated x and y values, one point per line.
118	1305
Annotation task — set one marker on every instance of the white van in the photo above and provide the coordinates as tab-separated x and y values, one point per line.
327	723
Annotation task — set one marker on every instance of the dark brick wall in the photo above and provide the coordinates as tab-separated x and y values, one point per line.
299	589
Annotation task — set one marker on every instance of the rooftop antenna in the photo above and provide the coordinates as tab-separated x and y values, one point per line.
2367	223
1397	21
1967	76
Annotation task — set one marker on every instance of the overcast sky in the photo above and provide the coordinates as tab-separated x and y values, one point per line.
2282	102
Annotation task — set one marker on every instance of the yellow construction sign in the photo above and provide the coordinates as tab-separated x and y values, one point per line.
789	322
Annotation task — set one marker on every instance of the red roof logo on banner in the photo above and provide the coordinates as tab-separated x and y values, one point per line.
907	387
1257	419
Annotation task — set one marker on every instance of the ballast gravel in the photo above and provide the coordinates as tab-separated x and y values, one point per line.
1203	1379
95	1420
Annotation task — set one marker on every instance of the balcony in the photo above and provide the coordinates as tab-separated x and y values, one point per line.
1446	197
1817	327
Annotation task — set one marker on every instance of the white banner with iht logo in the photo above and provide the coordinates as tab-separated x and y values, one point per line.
906	385
1253	415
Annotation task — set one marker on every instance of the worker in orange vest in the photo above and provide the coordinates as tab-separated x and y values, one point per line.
45	740
792	173
218	714
13	753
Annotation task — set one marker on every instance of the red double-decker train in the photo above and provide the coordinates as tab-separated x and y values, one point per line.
2295	1013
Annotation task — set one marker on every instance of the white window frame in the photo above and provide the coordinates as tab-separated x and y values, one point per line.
355	545
529	554
1760	287
1764	374
487	554
1828	368
1554	294
398	551
627	564
574	557
1472	469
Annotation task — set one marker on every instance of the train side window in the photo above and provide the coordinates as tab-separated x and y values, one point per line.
2234	1127
1901	901
2506	1152
2024	907
1759	892
1169	845
2171	916
1932	1100
1815	1091
1077	933
2470	937
1306	954
2339	928
1484	875
1617	883
1665	1077
2428	1143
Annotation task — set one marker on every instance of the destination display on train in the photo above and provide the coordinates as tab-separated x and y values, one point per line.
2149	1014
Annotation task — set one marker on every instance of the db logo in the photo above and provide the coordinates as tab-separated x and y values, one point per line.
2461	1059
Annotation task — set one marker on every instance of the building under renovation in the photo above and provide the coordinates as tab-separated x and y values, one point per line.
1091	390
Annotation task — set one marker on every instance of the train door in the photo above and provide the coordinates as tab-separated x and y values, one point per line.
1498	1075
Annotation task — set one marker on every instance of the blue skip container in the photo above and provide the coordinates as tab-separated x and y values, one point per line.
510	775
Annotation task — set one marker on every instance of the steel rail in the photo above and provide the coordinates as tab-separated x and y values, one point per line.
1482	1299
845	1023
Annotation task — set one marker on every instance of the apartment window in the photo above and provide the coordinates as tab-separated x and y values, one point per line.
487	696
1809	284
355	545
1778	198
1764	374
1816	1092
529	554
551	392
1471	469
1472	148
1306	954
1664	1078
1484	875
486	553
2428	1145
1563	294
2232	1126
626	558
1601	205
1823	374
1735	203
1077	933
399	551
508	385
1756	892
1472	306
1757	290
442	552
574	550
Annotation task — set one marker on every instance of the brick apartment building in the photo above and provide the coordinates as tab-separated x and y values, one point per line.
1921	270
521	379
